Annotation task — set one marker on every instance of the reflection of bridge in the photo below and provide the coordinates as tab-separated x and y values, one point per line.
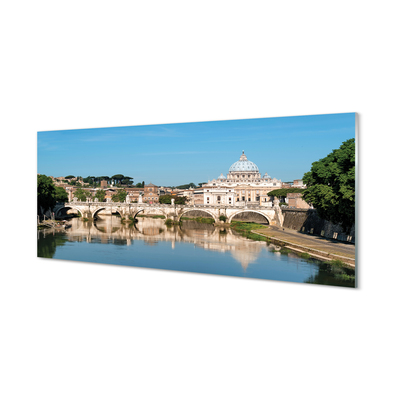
151	231
172	211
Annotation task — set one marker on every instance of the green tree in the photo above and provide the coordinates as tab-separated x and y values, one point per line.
46	193
69	177
89	180
118	178
166	199
331	185
119	197
80	194
180	199
127	180
61	195
101	195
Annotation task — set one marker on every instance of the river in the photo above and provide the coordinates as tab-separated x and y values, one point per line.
191	246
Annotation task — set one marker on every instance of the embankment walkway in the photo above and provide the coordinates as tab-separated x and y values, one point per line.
317	246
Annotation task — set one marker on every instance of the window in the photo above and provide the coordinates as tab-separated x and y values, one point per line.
242	198
219	198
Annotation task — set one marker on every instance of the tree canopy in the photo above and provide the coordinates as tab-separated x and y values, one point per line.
61	195
331	185
120	196
118	177
81	194
166	199
95	180
127	180
101	195
46	193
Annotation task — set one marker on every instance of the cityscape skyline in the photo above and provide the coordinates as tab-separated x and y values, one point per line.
180	153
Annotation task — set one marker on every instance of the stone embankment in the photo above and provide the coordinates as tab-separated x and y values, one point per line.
308	221
318	247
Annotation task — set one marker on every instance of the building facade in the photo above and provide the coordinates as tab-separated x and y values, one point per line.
295	200
150	194
243	185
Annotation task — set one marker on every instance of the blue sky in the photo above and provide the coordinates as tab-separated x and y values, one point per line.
175	154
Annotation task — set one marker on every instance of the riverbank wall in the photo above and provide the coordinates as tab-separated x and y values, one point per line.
308	221
300	249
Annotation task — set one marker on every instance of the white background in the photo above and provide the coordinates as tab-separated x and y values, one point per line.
87	331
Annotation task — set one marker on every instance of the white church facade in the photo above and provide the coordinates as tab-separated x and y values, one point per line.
243	185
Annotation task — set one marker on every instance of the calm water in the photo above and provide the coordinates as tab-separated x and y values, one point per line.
193	246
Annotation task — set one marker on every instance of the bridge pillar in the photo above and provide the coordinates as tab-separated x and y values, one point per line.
87	214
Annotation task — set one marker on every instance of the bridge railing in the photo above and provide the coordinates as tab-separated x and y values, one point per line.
158	205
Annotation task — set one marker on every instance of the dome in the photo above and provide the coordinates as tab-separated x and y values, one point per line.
243	165
221	176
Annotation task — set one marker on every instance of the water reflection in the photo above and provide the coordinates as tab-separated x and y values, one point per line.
191	246
110	229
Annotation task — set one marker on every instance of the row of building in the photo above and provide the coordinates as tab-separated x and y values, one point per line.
243	185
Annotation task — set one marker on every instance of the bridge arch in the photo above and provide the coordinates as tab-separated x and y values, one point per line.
137	211
58	212
206	211
97	210
118	211
105	208
246	211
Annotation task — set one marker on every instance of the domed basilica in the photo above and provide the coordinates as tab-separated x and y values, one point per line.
242	185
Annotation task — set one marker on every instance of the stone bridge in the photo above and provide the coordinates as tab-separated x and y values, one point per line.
172	211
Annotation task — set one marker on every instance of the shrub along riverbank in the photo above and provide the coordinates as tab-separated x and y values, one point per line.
245	228
203	220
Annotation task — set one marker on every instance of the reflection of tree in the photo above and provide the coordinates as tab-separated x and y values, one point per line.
330	275
46	246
